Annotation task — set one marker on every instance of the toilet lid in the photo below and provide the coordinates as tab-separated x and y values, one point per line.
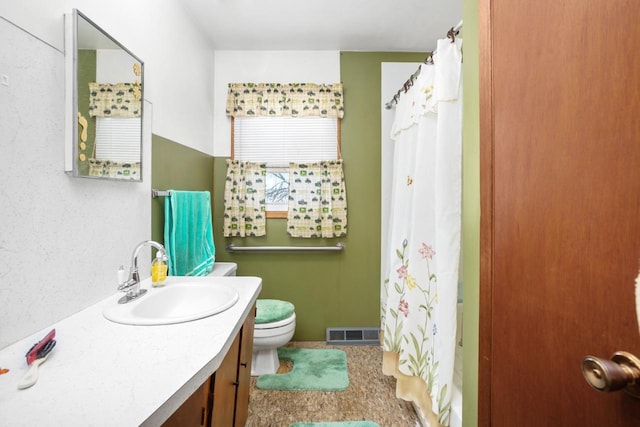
272	310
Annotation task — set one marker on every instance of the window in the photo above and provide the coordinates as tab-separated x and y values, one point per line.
118	139
277	141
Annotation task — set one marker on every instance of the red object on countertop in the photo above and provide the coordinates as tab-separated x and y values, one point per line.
33	353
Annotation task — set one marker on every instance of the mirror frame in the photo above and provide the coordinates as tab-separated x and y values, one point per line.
71	94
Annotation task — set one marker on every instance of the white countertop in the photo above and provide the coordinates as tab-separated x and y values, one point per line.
102	373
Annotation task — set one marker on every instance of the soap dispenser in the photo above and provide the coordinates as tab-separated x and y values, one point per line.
159	270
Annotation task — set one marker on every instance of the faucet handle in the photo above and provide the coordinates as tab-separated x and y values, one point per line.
122	275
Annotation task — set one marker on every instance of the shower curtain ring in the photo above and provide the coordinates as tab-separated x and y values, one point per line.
452	35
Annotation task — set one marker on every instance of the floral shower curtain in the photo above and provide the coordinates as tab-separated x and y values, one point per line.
420	272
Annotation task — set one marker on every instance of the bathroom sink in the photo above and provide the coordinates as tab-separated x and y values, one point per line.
183	299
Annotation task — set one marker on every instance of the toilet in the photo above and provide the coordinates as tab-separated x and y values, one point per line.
274	328
224	269
275	325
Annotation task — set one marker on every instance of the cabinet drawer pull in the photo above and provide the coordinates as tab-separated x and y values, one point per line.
236	383
243	364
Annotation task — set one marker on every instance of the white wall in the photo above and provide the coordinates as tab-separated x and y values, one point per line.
61	238
265	67
178	62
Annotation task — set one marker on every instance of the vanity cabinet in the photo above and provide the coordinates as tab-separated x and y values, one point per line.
231	383
224	388
194	411
244	371
223	400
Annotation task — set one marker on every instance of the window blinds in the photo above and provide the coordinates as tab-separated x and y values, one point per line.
118	139
277	141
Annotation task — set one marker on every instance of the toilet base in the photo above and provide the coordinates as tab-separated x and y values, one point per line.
264	361
267	338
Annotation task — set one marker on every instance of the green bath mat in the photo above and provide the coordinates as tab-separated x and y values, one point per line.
338	424
313	369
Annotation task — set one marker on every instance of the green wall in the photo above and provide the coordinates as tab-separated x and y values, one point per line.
86	74
342	289
330	288
470	212
176	167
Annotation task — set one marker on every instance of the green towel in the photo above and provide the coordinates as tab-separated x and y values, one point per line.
188	233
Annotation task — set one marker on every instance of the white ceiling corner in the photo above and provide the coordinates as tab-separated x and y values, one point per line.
342	25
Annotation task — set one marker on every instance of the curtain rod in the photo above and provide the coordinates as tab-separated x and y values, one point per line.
452	33
457	28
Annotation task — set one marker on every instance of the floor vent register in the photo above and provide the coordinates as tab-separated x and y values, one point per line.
353	336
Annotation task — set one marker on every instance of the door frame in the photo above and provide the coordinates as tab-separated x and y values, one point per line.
486	209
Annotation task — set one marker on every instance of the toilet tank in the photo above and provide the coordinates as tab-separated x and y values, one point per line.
224	269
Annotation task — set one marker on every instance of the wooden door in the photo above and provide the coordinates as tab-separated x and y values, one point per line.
560	207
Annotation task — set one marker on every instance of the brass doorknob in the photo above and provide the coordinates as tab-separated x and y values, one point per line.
621	372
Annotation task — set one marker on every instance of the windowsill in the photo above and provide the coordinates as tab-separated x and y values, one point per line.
276	214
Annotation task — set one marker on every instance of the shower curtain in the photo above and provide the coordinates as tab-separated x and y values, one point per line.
420	271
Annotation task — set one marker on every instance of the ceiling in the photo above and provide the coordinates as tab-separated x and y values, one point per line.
345	25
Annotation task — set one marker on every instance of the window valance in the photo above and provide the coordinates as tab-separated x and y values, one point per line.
114	100
294	99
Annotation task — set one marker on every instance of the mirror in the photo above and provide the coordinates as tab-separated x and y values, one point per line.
104	82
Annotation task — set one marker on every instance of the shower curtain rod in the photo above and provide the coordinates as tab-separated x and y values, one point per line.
452	33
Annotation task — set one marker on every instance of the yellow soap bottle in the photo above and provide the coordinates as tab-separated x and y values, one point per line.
159	270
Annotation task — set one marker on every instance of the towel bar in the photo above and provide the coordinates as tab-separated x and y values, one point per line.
233	248
159	193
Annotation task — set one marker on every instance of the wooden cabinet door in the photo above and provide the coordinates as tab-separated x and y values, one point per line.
225	387
193	412
228	388
560	221
244	371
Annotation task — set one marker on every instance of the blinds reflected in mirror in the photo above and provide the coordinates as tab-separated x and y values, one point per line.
118	139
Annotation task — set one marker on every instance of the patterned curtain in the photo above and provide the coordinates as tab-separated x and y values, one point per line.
114	100
275	99
317	200
244	199
110	169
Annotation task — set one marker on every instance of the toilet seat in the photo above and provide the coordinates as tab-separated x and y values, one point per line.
278	324
273	310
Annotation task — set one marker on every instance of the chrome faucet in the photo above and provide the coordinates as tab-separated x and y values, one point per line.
132	285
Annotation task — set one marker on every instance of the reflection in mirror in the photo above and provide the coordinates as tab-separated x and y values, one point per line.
104	108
